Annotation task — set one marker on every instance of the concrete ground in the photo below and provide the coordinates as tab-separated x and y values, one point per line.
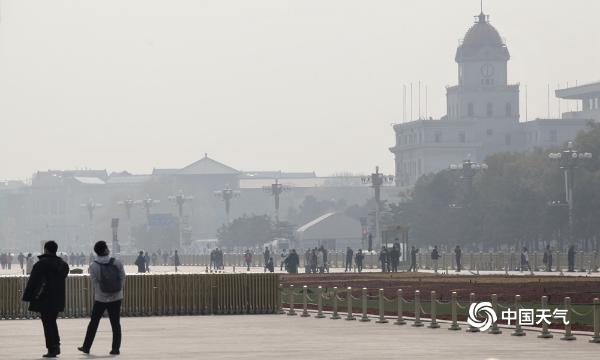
284	337
15	270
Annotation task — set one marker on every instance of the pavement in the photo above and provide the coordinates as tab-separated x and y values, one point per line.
131	269
284	337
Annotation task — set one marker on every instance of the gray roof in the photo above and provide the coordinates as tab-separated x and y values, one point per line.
579	92
207	166
132	179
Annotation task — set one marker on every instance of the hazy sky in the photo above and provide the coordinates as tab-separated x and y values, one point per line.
259	85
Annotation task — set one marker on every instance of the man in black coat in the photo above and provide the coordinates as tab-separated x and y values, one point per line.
45	293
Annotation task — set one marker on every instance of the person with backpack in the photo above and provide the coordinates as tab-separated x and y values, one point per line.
45	292
108	278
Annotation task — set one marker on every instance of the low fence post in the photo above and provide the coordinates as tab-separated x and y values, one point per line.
418	322
454	325
382	319
472	328
400	320
518	329
434	324
281	299
349	316
495	329
335	315
596	338
320	303
568	333
545	333
365	316
291	312
305	302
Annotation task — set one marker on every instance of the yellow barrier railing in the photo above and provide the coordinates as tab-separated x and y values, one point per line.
159	294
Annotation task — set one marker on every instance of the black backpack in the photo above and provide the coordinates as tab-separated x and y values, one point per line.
110	277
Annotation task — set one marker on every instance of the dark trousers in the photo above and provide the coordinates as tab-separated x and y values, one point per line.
114	314
50	330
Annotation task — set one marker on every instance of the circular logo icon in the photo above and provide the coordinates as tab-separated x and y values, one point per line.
482	315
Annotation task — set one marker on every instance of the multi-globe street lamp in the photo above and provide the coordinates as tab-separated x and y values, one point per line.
468	171
275	190
569	160
147	204
227	195
377	180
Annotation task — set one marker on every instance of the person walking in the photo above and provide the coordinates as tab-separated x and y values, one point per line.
525	259
248	259
547	260
108	277
147	261
21	259
358	259
349	258
176	261
271	265
282	259
571	258
383	258
292	261
458	257
413	259
435	255
30	261
45	292
320	261
266	256
141	262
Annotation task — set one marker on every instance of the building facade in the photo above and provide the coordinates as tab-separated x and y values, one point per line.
482	115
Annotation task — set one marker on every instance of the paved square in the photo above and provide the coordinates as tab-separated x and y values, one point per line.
284	337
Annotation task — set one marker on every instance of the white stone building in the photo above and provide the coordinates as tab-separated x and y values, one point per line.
482	114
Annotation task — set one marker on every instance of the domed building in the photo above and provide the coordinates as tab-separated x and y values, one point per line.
482	115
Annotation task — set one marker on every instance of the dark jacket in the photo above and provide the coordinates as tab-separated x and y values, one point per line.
49	274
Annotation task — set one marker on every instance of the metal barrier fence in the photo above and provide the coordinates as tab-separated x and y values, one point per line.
152	294
335	297
497	261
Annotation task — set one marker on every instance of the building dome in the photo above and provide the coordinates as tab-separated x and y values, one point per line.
482	35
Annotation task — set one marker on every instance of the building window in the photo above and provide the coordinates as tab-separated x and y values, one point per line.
553	136
470	109
596	107
508	109
507	139
438	136
462	137
489	132
489	110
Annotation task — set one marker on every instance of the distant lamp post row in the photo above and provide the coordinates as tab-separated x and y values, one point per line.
377	180
569	160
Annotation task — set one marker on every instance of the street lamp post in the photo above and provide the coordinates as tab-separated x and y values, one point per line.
147	204
468	171
128	205
275	190
376	180
180	199
91	207
227	195
569	160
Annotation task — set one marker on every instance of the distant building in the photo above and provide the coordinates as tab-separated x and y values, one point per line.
589	95
482	114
